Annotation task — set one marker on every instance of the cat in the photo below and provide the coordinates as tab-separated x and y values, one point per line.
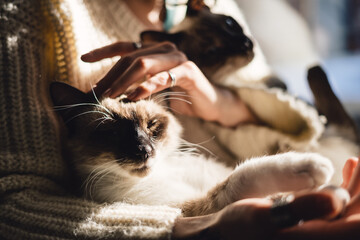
340	139
133	152
216	43
330	106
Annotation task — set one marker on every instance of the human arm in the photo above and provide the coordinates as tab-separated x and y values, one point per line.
286	120
256	218
147	68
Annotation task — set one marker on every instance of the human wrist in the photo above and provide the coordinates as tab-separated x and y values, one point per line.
232	110
189	228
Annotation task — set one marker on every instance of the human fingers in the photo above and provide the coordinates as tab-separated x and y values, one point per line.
354	183
353	207
324	204
242	218
133	67
348	171
247	216
162	80
112	50
154	84
143	66
344	229
195	95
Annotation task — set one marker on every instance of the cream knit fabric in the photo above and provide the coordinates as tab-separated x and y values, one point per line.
37	46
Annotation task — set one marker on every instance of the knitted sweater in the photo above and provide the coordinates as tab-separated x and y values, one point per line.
41	41
37	47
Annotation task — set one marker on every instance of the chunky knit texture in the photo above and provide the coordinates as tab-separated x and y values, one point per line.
37	46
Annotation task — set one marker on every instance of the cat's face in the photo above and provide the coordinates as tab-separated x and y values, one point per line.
210	40
131	136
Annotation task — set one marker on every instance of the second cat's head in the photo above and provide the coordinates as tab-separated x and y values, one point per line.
131	136
210	40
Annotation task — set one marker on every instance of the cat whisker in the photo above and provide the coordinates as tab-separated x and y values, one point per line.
175	98
98	181
88	182
172	110
84	113
96	175
63	107
102	120
99	104
167	94
188	145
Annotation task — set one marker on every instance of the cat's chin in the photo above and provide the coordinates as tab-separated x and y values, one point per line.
141	171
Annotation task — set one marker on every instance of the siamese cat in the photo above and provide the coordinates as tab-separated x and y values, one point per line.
340	139
216	43
133	152
328	104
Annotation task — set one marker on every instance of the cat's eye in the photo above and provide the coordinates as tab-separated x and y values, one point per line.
232	25
151	123
155	128
230	22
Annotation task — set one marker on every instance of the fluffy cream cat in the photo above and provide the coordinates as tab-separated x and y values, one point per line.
133	152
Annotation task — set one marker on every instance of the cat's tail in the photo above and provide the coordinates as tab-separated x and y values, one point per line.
330	106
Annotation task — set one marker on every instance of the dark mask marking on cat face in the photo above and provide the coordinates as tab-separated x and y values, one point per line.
209	41
129	132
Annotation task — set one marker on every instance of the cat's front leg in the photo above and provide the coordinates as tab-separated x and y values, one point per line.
260	177
263	176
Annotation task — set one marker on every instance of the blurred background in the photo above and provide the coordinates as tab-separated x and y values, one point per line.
294	34
335	27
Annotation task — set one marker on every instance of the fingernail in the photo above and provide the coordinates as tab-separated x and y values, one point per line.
341	193
339	202
85	57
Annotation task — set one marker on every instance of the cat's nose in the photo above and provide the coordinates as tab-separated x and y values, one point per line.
248	43
145	152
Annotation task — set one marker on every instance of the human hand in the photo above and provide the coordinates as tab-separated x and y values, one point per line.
258	218
145	71
346	226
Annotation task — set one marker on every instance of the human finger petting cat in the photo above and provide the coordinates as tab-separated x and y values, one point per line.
112	50
134	66
200	99
140	73
154	84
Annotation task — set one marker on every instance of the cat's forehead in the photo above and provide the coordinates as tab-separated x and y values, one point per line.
145	108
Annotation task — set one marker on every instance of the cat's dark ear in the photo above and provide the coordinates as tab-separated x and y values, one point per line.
158	36
63	94
195	6
68	102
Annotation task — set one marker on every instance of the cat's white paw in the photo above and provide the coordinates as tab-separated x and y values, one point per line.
292	171
305	170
